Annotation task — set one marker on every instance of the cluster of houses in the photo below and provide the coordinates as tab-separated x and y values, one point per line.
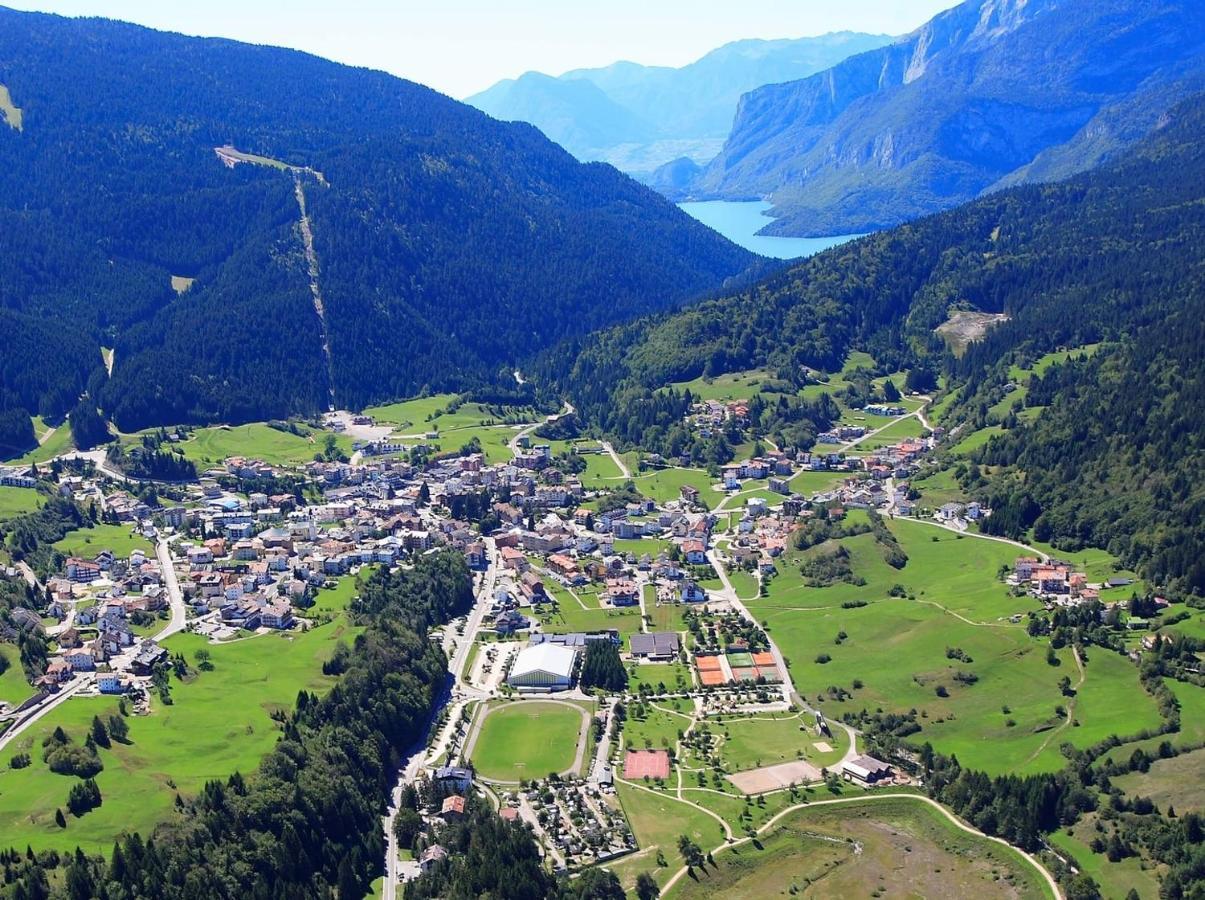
1054	582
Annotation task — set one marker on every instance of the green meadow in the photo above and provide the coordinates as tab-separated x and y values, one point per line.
899	653
15	501
210	446
87	542
14	689
55	445
219	722
895	847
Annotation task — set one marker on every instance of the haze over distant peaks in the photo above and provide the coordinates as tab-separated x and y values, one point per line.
638	117
989	93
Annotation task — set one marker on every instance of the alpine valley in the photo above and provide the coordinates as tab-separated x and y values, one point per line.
400	502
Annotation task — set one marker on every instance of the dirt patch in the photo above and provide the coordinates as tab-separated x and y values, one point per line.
823	747
965	327
774	778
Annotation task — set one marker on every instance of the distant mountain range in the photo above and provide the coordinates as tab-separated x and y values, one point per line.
438	247
987	94
639	117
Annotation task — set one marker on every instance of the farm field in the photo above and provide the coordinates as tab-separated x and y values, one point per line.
1000	714
15	501
1192	725
526	739
219	722
88	542
209	446
809	853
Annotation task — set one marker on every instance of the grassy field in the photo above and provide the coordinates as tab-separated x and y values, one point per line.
426	415
904	848
528	739
411	416
901	429
656	726
938	489
1170	782
732	386
666	484
976	439
57	444
14	689
15	501
898	649
675	676
600	471
571	617
764	740
209	446
657	820
12	113
1020	375
88	542
1115	880
219	722
808	482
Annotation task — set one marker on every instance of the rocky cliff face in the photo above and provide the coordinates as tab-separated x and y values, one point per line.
988	93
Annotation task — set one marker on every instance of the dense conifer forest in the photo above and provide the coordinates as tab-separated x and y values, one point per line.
450	247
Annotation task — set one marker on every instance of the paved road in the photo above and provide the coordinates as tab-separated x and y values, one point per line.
462	695
33	714
28	574
616	458
730	595
175	596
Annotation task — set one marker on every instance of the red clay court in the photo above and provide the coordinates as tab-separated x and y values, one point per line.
646	763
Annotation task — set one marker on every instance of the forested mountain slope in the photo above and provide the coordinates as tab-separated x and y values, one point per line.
989	93
448	246
1113	255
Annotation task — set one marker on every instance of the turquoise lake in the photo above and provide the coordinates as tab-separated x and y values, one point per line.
739	221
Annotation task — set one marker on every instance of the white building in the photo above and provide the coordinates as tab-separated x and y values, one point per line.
544	667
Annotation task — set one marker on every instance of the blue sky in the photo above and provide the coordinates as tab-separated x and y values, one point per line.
463	46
